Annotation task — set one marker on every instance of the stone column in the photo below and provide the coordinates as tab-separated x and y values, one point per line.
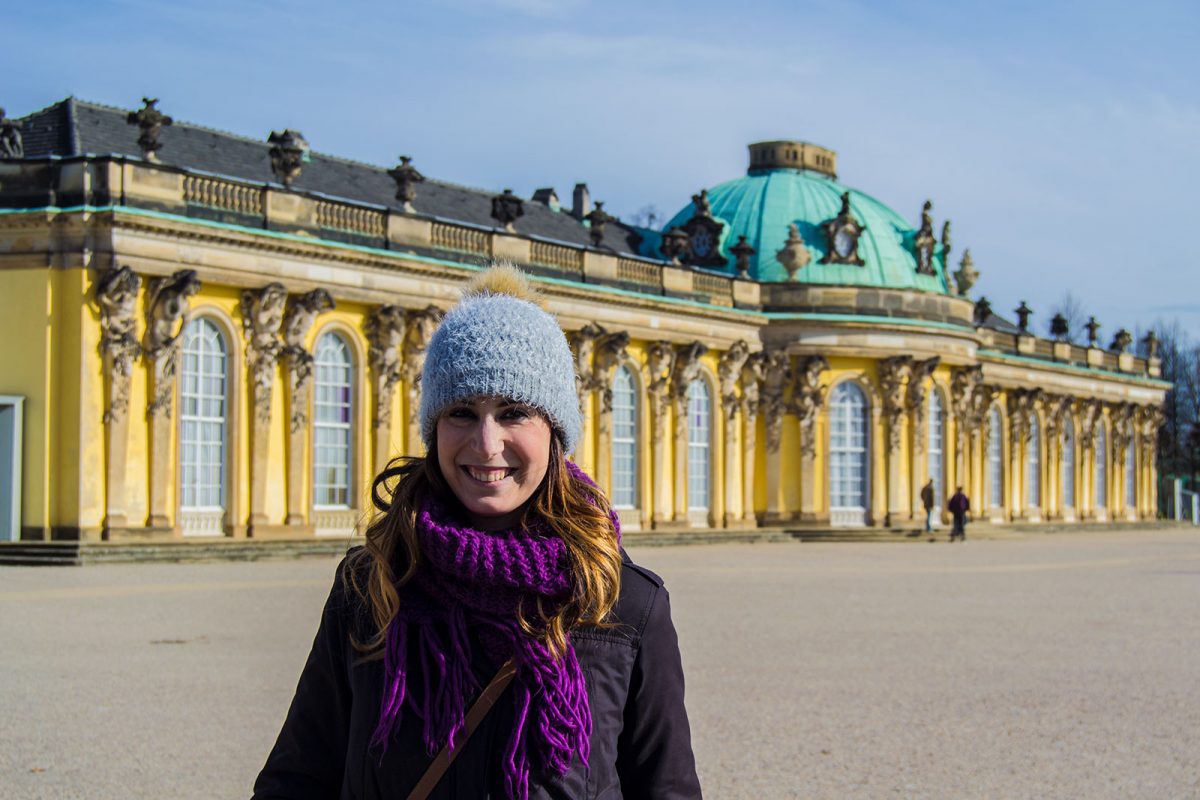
687	368
660	365
583	345
808	398
752	378
729	369
1057	409
166	317
1089	415
262	315
1021	414
777	374
894	373
302	311
610	351
417	333
117	294
385	333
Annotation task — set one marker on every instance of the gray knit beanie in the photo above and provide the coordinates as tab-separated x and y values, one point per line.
496	344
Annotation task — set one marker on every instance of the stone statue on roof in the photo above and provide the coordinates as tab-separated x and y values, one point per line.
11	145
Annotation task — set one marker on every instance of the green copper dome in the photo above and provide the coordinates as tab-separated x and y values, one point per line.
802	190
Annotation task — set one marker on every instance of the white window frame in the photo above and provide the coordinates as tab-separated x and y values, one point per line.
203	340
995	455
1100	469
849	412
699	459
1033	466
936	450
328	346
625	486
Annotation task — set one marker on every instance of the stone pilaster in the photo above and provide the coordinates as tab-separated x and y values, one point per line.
583	345
808	398
417	333
609	352
916	394
660	363
166	317
687	368
752	377
894	373
302	311
117	294
729	370
385	333
777	375
262	315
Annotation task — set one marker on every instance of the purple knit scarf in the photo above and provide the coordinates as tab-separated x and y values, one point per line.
476	580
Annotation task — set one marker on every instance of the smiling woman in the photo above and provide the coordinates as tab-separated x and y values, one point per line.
495	561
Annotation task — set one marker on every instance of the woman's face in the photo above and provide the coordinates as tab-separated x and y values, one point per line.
493	454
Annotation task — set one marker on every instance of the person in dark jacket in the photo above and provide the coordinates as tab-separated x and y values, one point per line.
493	554
927	503
958	506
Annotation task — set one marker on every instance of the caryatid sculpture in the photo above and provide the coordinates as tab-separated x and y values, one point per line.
777	374
609	351
894	373
729	370
385	333
116	294
808	396
166	316
262	316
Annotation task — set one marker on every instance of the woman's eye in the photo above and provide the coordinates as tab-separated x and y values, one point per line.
460	413
516	414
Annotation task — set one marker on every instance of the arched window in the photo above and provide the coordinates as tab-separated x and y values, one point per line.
1100	472
1067	463
624	440
699	404
202	418
848	455
1033	466
332	415
1130	478
995	457
937	447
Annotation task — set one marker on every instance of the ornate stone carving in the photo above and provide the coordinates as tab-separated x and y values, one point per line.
841	236
1089	415
406	177
507	208
794	255
742	251
302	311
687	369
983	310
808	397
894	373
289	152
583	343
1122	416
262	316
166	317
915	396
385	333
1150	340
609	352
116	294
729	369
660	364
925	242
598	219
675	245
12	146
946	247
1093	329
777	375
967	275
1060	328
150	122
417	333
1022	413
704	234
1058	408
753	373
1121	341
964	386
1023	312
1149	420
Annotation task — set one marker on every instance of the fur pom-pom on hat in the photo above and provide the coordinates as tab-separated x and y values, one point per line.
499	342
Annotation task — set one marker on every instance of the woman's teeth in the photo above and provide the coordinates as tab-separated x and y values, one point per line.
488	475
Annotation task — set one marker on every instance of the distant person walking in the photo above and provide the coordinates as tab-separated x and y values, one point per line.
927	501
959	505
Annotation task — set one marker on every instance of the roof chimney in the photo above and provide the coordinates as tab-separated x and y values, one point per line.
547	197
581	202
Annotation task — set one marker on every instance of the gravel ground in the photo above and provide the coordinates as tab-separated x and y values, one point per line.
1060	666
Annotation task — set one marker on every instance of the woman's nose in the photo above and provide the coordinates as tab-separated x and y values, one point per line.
488	436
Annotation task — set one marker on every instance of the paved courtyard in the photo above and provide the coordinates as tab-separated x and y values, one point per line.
1055	666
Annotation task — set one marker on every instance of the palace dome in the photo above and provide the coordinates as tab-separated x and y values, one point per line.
795	183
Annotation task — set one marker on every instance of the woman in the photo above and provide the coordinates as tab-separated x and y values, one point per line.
494	555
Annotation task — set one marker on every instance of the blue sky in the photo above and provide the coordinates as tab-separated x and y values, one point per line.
1062	139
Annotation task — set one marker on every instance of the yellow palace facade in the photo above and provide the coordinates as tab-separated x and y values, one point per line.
210	336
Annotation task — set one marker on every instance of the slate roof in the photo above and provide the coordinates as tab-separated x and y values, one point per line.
73	127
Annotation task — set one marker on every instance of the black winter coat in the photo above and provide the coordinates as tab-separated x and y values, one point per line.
640	745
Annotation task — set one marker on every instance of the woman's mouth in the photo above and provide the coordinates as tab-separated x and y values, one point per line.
489	474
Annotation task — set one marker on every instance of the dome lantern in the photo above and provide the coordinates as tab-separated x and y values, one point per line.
790	154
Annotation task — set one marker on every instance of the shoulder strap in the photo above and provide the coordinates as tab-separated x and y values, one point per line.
483	704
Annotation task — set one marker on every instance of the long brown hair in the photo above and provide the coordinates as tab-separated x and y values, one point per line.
573	510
